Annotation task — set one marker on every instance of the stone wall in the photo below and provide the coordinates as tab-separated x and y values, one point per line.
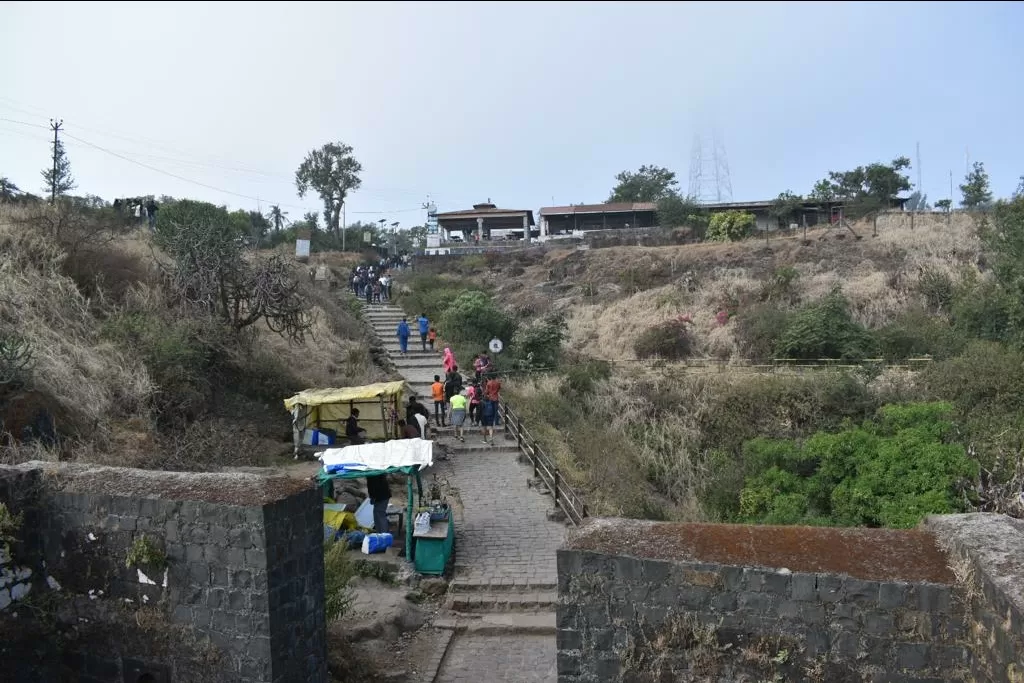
643	601
226	582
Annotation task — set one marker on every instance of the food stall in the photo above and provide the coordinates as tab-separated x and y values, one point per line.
398	456
318	415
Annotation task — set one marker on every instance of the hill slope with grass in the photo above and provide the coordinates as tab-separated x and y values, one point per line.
106	356
644	434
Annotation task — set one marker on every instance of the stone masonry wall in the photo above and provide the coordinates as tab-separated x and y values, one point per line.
642	601
215	603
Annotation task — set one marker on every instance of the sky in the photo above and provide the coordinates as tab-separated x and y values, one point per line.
525	104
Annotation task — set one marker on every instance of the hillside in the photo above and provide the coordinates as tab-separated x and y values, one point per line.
121	368
643	435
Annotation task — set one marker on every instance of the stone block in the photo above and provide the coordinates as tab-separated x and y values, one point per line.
879	624
934	598
216	598
181	614
566	616
218	534
607	668
812	612
861	592
804	586
219	576
236	601
756	603
892	595
201	617
788	609
241	579
568	664
753	579
569	639
255	559
913	656
732	578
628	569
240	538
194	553
776	583
723	602
846	645
655	571
705	578
595	615
830	588
601	639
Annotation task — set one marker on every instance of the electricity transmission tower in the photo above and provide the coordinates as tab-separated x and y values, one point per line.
709	170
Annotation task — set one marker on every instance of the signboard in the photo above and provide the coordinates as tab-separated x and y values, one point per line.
301	248
495	346
367	237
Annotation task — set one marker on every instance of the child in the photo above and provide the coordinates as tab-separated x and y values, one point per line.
431	337
437	392
475	395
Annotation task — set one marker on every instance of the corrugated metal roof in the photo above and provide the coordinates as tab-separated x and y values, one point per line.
611	207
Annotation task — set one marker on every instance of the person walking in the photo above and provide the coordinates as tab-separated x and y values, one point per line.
437	392
475	395
488	416
353	432
458	403
403	336
448	362
417	414
424	324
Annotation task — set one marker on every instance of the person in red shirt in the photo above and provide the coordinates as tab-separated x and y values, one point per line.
437	393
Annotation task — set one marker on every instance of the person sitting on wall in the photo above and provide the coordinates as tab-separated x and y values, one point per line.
353	432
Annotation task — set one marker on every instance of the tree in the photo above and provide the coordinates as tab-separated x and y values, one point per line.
787	208
57	178
332	172
675	211
277	217
729	226
9	192
1019	192
917	201
211	272
649	184
944	205
865	189
976	191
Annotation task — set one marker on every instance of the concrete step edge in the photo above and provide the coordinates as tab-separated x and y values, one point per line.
534	623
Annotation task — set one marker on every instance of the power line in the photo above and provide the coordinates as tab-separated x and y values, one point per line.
24	123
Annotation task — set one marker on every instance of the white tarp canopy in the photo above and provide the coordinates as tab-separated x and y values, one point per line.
418	453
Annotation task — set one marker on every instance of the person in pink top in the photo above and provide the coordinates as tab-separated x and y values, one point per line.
475	395
449	360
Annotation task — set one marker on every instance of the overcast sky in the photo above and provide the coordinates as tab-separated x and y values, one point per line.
526	104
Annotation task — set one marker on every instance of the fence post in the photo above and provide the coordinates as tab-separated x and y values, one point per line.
555	491
504	417
519	432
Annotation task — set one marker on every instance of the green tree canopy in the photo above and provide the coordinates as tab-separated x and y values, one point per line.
865	189
332	172
57	178
675	211
729	226
649	184
786	208
944	204
976	191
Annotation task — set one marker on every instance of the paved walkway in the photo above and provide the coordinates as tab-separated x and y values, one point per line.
512	658
505	545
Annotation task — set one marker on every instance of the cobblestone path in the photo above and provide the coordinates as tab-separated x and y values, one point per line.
512	658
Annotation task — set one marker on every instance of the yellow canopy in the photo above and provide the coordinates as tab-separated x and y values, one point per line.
319	397
379	405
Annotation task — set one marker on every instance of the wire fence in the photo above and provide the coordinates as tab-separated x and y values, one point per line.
544	468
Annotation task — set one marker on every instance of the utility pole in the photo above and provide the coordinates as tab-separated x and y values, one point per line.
343	224
55	126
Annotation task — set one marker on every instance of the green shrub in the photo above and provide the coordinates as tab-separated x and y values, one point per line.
825	329
891	471
782	287
937	288
539	345
759	329
670	340
985	310
916	333
473	318
581	378
338	571
729	226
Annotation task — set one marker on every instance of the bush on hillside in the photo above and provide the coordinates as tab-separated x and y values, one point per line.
985	310
782	286
539	345
891	471
473	318
581	377
937	288
758	329
826	329
729	226
915	333
670	340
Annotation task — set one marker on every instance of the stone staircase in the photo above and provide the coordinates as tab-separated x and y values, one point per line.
504	582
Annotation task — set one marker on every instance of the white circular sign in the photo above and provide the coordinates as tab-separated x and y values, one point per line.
496	346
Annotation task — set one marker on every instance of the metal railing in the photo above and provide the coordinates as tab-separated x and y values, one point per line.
544	467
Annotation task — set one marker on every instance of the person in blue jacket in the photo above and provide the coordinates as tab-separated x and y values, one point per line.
403	336
424	323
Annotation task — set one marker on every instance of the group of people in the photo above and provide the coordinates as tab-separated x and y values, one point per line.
372	283
428	335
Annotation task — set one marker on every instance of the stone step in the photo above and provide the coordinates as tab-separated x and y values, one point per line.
502	623
457	447
504	585
503	602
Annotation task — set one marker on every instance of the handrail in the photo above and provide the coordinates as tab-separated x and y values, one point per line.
566	498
